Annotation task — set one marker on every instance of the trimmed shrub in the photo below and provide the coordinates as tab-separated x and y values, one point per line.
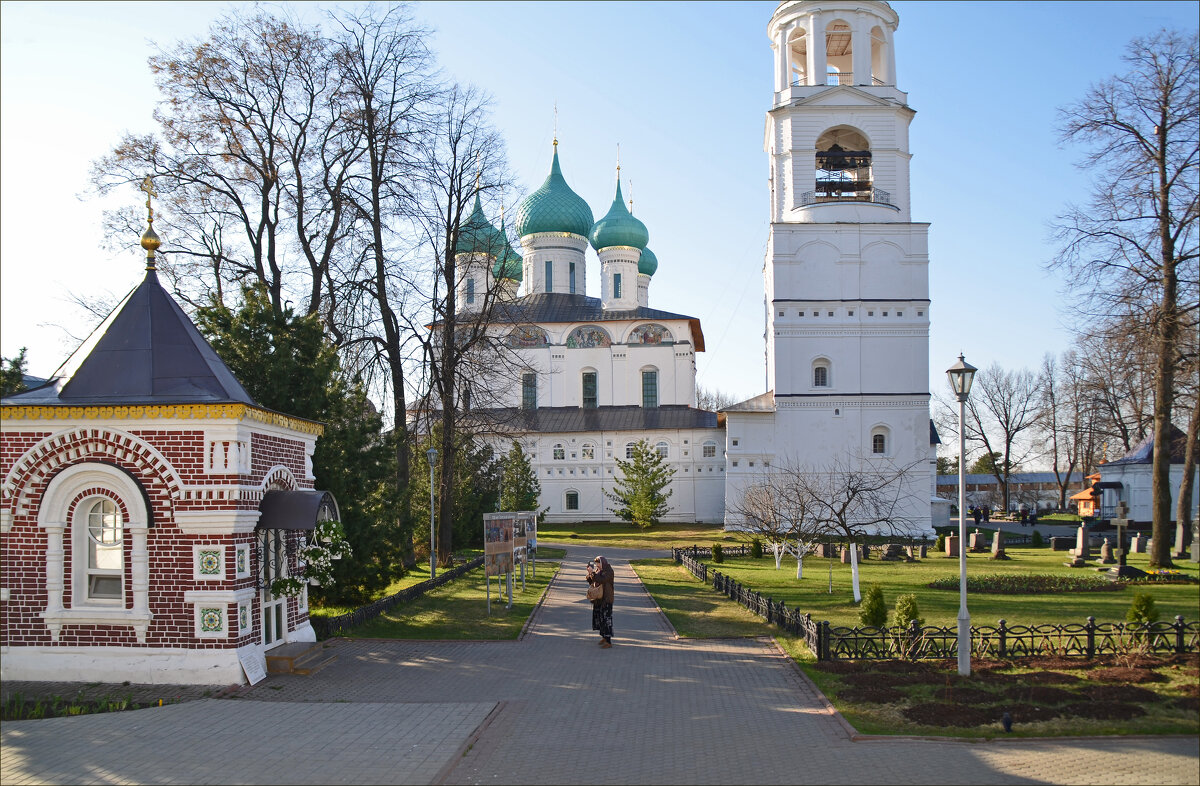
718	553
1036	540
873	610
1142	609
941	543
907	611
756	549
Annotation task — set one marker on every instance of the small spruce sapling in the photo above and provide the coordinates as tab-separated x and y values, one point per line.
1036	540
873	611
756	549
718	553
941	543
907	611
1142	609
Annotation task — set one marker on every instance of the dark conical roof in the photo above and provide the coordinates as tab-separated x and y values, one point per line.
150	353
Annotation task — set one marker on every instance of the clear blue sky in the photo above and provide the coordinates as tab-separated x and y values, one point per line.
683	87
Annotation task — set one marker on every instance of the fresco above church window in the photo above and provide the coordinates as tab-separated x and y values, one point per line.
588	336
528	336
650	334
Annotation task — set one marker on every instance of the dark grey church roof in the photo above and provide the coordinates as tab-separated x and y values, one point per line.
550	307
549	420
1143	452
150	353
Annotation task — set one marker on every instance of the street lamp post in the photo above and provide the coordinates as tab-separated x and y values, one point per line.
961	375
431	455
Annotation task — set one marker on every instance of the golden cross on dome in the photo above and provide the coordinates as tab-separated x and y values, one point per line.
556	124
150	240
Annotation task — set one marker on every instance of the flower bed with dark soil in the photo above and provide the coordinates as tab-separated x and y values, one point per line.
1052	696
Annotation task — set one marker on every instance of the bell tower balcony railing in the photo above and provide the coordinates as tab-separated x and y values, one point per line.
845	191
840	78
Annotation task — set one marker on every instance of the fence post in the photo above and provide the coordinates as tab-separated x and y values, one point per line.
823	641
1003	631
1091	637
1179	633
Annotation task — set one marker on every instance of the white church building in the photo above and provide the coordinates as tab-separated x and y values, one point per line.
846	292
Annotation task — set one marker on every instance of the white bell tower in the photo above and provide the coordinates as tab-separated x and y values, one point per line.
846	272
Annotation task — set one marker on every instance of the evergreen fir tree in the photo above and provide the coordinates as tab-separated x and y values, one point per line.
520	487
286	364
12	374
639	490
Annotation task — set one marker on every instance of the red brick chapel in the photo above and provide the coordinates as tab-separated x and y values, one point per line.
147	504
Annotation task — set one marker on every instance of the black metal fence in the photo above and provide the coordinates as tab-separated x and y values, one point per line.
695	552
326	627
830	642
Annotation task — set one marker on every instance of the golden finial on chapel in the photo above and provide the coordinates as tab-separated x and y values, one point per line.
150	240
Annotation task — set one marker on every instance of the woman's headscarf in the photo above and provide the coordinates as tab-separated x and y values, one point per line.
605	568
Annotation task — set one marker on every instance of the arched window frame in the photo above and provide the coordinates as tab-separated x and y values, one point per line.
587	451
880	443
567	499
709	449
650	388
628	451
589	386
822	373
559	452
662	449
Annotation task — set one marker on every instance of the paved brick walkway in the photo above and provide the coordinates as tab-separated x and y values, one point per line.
552	708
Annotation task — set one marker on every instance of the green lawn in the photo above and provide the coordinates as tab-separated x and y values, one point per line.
940	607
627	536
694	611
458	610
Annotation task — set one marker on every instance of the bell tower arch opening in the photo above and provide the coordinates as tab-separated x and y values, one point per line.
839	53
843	166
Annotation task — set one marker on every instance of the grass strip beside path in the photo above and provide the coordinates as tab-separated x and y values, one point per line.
621	535
458	610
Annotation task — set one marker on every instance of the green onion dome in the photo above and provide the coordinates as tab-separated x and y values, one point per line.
508	263
476	235
648	262
554	207
619	227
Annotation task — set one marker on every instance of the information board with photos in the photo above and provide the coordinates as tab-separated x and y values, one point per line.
498	543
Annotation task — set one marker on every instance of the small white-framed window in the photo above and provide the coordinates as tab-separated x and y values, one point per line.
820	374
710	449
588	451
105	537
571	500
880	441
662	449
559	452
628	451
470	291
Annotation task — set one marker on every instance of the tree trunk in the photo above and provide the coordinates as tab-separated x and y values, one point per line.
1183	508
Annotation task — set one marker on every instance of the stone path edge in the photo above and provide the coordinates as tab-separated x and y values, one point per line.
467	744
530	622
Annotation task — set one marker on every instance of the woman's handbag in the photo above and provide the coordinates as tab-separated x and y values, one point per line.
595	592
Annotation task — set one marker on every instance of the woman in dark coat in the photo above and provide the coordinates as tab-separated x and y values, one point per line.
600	573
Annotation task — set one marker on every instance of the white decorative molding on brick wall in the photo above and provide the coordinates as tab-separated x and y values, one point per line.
111	664
216	522
6	520
210	612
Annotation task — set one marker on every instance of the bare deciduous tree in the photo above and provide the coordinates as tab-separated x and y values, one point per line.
1001	409
1133	248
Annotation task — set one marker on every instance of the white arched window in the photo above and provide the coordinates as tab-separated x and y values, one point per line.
588	451
650	388
103	536
628	451
880	441
571	500
820	374
662	449
709	449
559	453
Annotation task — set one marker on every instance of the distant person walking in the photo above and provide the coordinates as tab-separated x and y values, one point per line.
977	514
987	514
600	574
